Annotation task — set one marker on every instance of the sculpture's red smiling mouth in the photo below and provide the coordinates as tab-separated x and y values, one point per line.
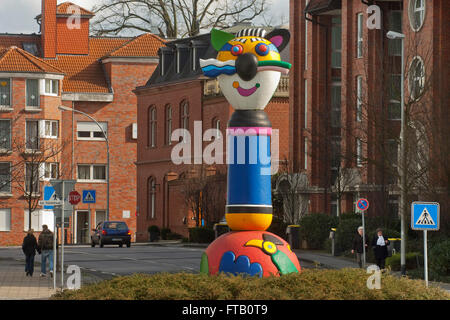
245	92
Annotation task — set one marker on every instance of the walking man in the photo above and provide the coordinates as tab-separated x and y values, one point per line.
45	245
358	246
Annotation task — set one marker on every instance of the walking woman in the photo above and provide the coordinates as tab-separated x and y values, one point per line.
379	244
29	248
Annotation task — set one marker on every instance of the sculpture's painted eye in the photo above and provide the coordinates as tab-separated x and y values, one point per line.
236	50
262	49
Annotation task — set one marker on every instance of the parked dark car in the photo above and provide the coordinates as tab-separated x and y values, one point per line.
111	232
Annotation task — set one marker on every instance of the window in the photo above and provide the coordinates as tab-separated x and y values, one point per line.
168	124
51	86
394	107
359	158
393	207
32	134
392	149
92	172
334	207
416	77
416	14
336	46
51	170
91	131
306	39
5	134
306	103
359	98
50	129
30	47
395	24
194	58
36	220
335	105
32	92
161	64
151	185
359	43
152	127
5	92
306	153
100	216
335	152
184	116
32	173
216	125
5	219
5	177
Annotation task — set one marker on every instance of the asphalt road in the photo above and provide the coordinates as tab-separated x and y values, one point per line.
110	261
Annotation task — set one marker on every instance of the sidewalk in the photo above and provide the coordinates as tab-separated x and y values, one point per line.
15	285
325	260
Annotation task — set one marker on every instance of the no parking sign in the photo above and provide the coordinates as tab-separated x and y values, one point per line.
362	204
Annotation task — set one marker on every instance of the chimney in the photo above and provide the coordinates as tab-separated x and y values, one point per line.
48	28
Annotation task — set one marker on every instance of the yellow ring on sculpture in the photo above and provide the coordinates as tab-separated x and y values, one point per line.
248	221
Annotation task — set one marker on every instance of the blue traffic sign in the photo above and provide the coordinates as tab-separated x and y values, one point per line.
49	194
88	196
362	204
425	216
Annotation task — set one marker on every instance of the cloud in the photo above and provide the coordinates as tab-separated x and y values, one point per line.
241	265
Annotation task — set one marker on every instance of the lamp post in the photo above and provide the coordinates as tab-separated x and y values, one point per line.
64	108
394	36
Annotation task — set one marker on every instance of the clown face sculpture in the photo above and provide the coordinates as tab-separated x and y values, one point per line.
248	66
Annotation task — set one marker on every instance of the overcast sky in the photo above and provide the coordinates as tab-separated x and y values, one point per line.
17	16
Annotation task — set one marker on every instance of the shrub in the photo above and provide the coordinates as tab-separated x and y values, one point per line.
153	229
201	235
410	260
315	228
174	236
345	233
164	233
311	284
439	258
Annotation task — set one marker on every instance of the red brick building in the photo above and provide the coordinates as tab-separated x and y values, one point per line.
176	96
65	66
345	107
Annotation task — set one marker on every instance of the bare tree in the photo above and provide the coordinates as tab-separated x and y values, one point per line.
172	18
37	159
292	187
204	194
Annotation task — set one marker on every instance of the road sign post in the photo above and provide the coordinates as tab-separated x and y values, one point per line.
363	205
425	217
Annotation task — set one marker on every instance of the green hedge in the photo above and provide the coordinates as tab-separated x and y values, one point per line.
278	227
164	233
346	232
315	229
410	259
439	258
201	235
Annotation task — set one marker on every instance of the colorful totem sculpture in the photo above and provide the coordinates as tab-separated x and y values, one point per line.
248	68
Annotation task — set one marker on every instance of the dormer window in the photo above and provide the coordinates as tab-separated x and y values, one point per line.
161	64
198	49
181	56
30	47
194	58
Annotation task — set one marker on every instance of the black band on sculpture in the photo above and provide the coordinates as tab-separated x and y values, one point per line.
249	118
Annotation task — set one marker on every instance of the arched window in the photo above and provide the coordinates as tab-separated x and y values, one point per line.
152	126
151	198
168	124
416	14
184	115
416	78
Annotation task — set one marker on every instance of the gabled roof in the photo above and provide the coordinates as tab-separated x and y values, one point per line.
144	45
62	10
14	59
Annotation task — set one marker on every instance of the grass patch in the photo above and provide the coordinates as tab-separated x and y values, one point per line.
344	284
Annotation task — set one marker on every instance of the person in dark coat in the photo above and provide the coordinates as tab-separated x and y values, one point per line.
357	246
29	248
379	245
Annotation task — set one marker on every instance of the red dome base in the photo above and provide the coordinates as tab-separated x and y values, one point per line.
257	253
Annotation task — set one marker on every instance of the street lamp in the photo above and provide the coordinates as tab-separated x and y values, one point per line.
64	108
394	36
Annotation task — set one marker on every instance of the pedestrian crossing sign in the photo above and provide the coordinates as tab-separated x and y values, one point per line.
88	196
425	216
